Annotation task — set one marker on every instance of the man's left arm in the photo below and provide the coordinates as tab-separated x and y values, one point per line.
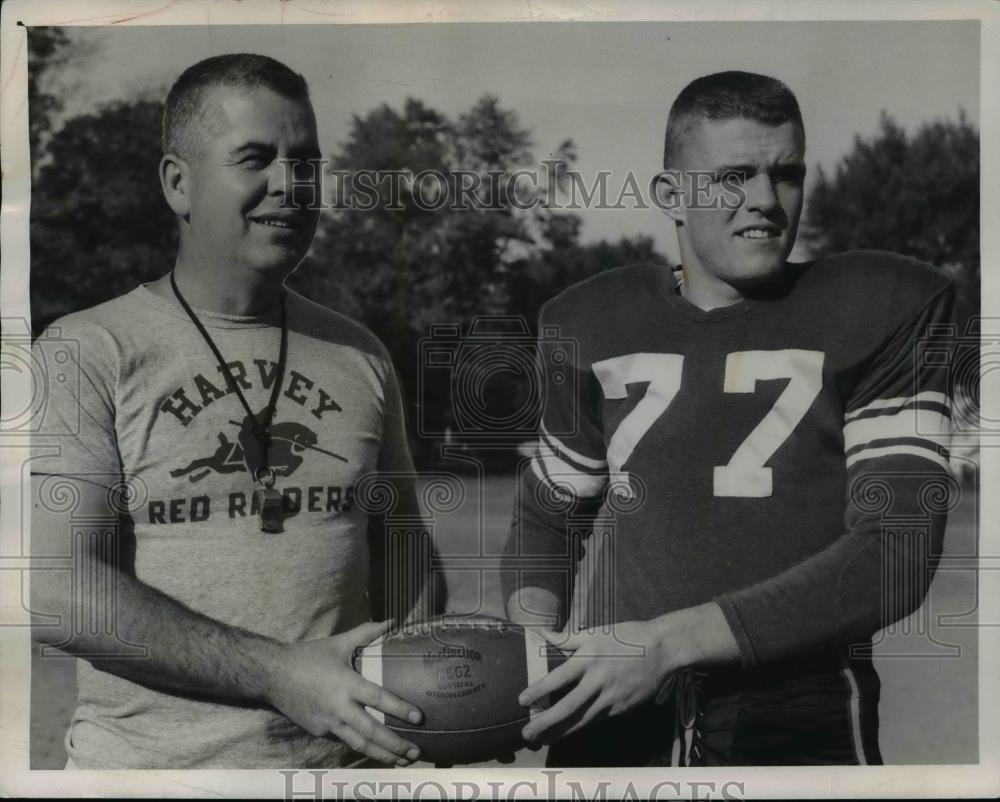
897	428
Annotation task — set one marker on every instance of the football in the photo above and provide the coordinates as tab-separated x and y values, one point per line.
465	674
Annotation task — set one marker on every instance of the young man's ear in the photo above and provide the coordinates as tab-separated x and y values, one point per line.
668	188
174	179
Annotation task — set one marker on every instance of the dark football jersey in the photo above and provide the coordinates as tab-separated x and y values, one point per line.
741	454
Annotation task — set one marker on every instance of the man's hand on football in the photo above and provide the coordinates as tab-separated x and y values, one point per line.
609	673
314	685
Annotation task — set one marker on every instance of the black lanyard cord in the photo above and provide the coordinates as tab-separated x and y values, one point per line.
260	429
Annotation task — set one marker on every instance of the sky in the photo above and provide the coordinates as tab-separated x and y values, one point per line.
608	86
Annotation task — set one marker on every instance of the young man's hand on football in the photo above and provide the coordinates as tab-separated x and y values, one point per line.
609	673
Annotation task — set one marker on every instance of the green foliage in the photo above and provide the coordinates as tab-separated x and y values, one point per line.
916	195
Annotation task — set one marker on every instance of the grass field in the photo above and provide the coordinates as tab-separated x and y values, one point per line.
928	663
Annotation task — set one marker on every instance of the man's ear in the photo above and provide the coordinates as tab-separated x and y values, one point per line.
668	190
175	181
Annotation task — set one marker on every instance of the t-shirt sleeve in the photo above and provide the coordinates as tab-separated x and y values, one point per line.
75	371
394	454
567	474
897	426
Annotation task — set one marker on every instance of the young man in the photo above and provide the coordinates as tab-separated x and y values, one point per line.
226	427
743	437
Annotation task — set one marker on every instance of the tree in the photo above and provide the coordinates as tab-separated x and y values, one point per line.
47	51
100	226
99	223
400	264
491	247
916	195
405	262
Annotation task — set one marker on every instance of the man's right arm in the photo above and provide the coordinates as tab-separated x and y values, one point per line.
543	550
561	489
537	607
536	596
102	610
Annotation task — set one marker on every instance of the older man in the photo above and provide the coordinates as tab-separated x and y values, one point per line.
219	615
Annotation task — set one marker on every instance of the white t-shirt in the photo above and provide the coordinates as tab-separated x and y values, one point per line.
150	405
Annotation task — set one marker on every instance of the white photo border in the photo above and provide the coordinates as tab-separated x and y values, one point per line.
896	781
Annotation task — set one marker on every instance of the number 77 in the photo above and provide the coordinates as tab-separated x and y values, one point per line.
745	476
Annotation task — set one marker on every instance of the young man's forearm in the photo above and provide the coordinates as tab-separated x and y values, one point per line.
697	637
536	607
183	649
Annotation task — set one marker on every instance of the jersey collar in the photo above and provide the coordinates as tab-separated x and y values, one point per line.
669	284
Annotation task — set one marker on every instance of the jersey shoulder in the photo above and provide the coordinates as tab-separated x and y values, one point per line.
611	297
876	284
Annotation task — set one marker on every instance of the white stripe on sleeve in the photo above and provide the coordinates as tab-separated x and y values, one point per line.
925	424
889	451
576	456
561	476
889	404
